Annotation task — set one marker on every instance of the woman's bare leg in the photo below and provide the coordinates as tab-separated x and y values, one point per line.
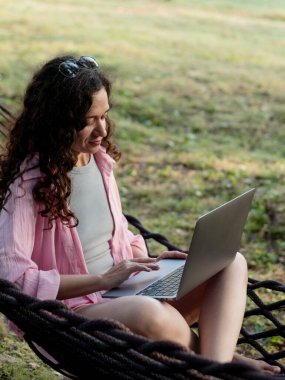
145	316
222	311
219	306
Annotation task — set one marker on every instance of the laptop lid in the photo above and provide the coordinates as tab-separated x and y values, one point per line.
215	241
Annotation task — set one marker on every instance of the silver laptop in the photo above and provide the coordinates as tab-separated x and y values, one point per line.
215	242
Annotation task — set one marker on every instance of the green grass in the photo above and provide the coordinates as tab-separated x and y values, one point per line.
198	102
18	362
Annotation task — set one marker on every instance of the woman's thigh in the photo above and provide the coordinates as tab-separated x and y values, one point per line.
122	309
189	305
143	315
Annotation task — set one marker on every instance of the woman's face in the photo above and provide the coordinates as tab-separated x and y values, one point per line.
88	139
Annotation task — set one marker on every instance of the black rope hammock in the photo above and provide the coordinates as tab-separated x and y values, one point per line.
105	349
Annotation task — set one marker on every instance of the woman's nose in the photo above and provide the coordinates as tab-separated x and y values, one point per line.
100	129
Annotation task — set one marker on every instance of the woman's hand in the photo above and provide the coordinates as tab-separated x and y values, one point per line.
172	255
76	285
120	272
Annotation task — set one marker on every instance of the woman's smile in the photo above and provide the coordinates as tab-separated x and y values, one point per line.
95	142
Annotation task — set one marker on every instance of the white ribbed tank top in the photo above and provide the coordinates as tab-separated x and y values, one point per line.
90	204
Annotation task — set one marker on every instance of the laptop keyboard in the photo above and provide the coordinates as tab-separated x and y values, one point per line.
166	286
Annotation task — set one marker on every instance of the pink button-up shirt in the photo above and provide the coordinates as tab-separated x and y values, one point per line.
34	256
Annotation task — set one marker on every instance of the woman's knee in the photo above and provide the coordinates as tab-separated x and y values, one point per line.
158	320
239	265
241	262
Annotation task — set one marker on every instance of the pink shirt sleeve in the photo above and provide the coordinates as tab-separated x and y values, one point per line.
17	238
135	240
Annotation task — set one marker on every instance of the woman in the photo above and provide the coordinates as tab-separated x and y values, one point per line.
63	234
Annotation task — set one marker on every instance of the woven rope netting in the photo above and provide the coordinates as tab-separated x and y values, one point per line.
105	349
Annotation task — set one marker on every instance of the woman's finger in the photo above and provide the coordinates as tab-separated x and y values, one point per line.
143	260
172	255
142	267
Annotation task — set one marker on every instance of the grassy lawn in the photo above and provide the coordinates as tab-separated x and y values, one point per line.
198	102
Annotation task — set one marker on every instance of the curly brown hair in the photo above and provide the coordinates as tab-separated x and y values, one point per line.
54	109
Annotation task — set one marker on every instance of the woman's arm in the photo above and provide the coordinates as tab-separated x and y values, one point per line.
138	251
17	244
82	284
76	285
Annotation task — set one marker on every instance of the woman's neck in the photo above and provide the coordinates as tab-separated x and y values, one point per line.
82	159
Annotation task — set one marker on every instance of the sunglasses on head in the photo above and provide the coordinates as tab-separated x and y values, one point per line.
71	67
